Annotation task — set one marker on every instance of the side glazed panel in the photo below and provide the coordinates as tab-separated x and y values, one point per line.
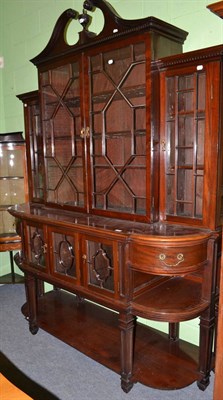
184	144
35	150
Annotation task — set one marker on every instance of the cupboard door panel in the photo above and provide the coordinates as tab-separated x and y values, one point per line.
64	255
36	247
100	260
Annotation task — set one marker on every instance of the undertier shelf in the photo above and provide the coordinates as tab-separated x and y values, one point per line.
93	330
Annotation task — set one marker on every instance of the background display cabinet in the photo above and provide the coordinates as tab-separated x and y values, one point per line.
13	190
124	152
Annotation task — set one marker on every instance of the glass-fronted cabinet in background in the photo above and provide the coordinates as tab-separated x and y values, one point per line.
13	190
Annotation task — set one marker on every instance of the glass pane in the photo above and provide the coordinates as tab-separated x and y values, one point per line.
185	144
200	142
185	184
170	195
119	198
10	161
36	246
100	265
199	194
60	78
186	131
185	157
7	222
170	140
11	191
201	91
64	254
185	209
36	147
221	207
62	129
171	92
186	82
118	80
140	120
185	101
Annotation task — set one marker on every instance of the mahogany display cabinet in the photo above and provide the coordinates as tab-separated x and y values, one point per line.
124	151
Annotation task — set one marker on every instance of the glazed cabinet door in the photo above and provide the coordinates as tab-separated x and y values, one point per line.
36	248
64	255
100	260
119	80
189	150
62	119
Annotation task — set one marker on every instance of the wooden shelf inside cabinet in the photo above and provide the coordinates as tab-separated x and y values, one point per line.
169	301
57	311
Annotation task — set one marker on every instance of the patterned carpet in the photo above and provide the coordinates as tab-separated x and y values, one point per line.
21	381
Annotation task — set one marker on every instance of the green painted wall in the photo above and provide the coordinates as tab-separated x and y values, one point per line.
2	113
26	26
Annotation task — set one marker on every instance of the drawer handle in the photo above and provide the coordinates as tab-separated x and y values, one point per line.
180	259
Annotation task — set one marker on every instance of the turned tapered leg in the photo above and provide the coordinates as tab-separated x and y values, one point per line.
31	295
127	324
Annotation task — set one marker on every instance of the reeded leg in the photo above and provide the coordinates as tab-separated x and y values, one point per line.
205	356
207	318
126	324
40	288
31	295
174	330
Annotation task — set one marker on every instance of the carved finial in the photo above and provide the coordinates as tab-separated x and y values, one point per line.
84	19
88	5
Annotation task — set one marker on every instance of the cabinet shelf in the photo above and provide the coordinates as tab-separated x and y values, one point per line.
199	168
170	299
6	178
58	309
194	114
128	92
127	167
109	135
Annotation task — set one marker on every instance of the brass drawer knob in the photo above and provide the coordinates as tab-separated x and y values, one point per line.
180	259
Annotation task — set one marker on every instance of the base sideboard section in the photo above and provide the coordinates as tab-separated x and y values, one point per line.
94	330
